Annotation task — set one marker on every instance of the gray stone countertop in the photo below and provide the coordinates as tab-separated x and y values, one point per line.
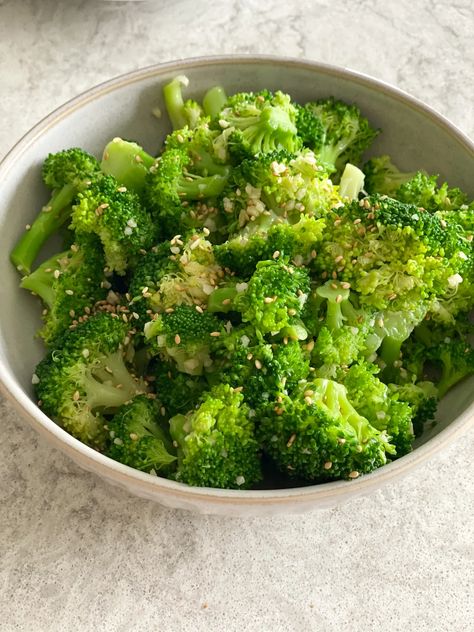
77	554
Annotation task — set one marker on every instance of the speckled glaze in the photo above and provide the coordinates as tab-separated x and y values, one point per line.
77	554
123	107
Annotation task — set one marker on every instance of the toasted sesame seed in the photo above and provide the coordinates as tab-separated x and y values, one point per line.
215	334
268	299
328	465
314	254
258	364
133	436
69	292
392	297
308	400
76	396
345	285
278	410
276	254
56	274
354	474
199	309
226	301
177	339
238	389
338	258
292	312
121	189
291	440
338	298
310	345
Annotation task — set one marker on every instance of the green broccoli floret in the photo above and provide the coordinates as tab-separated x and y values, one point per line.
382	176
139	437
127	162
274	298
115	215
262	370
66	173
181	112
455	356
423	190
216	442
347	133
315	433
178	392
184	335
394	254
257	122
180	192
297	242
381	406
422	398
310	128
68	283
344	333
85	376
175	273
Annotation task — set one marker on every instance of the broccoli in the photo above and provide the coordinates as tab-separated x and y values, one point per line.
178	392
180	191
422	397
274	298
423	190
127	162
381	406
254	123
66	173
216	442
184	335
455	356
310	128
316	434
382	176
393	254
181	112
116	216
68	283
213	101
347	134
85	376
139	437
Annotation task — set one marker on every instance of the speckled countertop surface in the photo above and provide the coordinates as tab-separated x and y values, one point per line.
76	554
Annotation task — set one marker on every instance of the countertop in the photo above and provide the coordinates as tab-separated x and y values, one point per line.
79	555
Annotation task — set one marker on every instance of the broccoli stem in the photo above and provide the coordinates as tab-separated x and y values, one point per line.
50	219
174	101
390	350
127	162
352	182
111	384
216	300
198	187
41	280
214	100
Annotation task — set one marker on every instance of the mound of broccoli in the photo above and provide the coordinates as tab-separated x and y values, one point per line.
249	300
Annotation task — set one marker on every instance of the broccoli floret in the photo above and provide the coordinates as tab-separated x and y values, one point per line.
315	433
394	254
296	242
274	299
184	335
181	112
422	398
216	442
310	128
382	176
115	215
381	406
180	191
347	133
260	369
455	356
342	334
68	283
256	123
139	437
66	173
127	162
85	376
423	190
178	392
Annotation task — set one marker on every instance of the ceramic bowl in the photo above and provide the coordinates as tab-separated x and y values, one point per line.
413	134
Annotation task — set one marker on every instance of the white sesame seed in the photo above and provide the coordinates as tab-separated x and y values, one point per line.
177	339
354	474
69	292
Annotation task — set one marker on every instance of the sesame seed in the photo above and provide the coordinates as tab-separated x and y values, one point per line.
308	400
354	474
338	258
291	440
215	334
199	309
56	274
76	396
28	226
345	285
268	299
118	441
328	465
133	436
238	389
206	231
69	292
338	298
314	254
310	345
276	254
258	364
278	410
85	353
177	339
121	189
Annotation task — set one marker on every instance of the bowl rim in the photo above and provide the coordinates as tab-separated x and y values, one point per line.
153	486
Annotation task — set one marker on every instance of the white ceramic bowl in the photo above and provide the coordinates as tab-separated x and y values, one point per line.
413	134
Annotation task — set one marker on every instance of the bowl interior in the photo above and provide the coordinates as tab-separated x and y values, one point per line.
411	135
